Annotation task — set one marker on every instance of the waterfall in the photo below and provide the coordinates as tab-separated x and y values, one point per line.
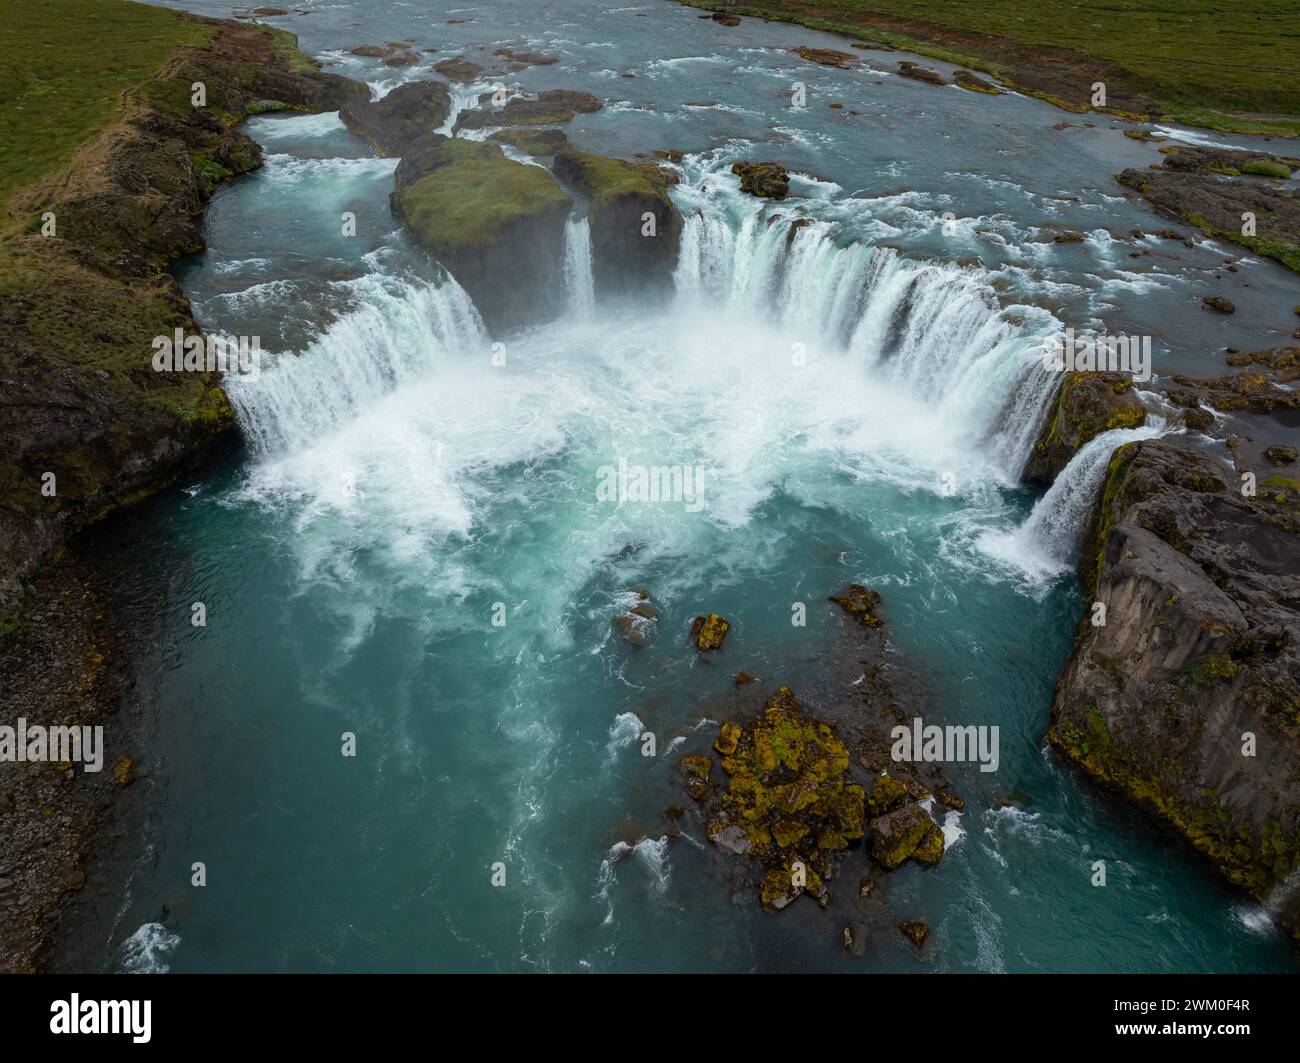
398	332
935	330
1048	540
463	98
578	280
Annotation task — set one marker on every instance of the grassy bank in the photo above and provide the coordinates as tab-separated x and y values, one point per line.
1224	64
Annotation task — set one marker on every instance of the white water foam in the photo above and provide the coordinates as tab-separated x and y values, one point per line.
149	950
578	280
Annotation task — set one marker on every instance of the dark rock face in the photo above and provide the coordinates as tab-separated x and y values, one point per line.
1187	699
635	228
768	180
496	225
1086	404
548	108
394	123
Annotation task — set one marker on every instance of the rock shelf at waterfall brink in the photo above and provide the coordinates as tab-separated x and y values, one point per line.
690	492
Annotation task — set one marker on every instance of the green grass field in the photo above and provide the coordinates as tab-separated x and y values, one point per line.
64	65
1230	64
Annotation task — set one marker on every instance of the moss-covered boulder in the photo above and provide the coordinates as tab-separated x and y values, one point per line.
393	123
536	142
709	632
495	224
788	802
887	794
860	603
896	835
767	180
459	69
635	228
1086	404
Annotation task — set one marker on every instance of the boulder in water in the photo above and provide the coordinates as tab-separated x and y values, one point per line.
532	141
459	69
827	57
495	224
635	228
767	180
709	632
395	122
921	73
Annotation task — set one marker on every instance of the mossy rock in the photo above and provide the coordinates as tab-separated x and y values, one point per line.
860	603
930	851
896	835
709	632
887	794
1086	405
728	738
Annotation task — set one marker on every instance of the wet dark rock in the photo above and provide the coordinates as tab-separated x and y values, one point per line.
536	142
1266	383
394	123
459	69
915	930
525	58
860	603
827	57
1218	304
637	623
1200	649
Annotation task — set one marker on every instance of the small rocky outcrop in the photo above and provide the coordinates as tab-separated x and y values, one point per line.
827	57
495	224
709	632
1086	404
1265	383
921	73
767	180
636	623
787	801
459	69
394	123
521	59
915	930
1228	162
546	108
1215	204
967	80
1187	698
860	603
635	228
1218	304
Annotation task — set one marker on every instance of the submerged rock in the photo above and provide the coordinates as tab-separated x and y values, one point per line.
1266	384
768	180
497	226
635	228
393	123
1188	698
636	623
1086	404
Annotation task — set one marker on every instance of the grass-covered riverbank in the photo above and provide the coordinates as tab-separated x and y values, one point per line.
1221	64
